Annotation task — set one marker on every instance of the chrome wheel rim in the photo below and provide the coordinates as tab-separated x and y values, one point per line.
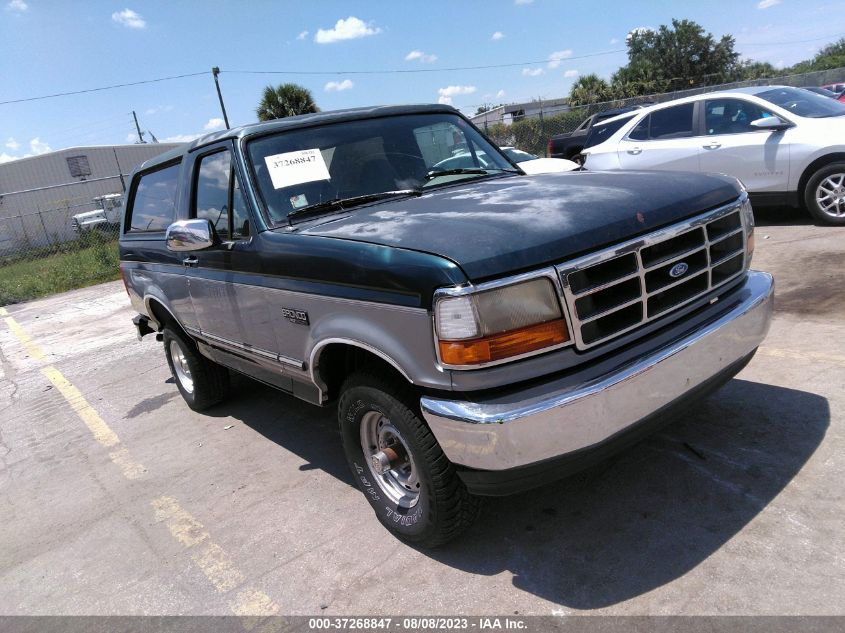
180	367
830	195
400	481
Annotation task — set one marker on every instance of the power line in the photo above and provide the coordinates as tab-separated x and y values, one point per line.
418	70
87	90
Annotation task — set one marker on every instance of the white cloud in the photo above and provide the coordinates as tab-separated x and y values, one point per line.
349	29
614	40
570	73
302	35
12	144
500	94
556	57
37	146
448	92
132	137
5	158
765	4
129	19
337	86
422	57
532	72
640	30
180	138
20	6
522	1
157	109
498	35
214	124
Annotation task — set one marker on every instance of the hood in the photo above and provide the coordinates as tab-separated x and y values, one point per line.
505	225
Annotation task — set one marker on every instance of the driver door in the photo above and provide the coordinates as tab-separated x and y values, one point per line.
759	158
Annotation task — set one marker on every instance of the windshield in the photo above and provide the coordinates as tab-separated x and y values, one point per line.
803	102
517	155
359	159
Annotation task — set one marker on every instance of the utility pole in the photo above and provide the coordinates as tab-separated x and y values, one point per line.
138	127
216	71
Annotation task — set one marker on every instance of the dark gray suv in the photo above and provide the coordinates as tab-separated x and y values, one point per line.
479	330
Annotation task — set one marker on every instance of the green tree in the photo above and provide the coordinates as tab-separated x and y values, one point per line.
674	57
285	100
831	56
589	89
759	70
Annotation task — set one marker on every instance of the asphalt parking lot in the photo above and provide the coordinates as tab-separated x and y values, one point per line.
115	498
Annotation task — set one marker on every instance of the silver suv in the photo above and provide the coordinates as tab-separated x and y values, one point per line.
786	145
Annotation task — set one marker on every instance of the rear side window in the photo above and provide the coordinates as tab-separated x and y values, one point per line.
153	206
603	131
674	122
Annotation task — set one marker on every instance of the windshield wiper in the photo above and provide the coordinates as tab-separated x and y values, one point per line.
481	171
345	203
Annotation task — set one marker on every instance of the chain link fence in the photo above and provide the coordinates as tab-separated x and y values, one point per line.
529	126
43	251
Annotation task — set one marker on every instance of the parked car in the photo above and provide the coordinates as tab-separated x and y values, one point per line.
786	145
569	144
826	93
838	88
479	331
106	217
529	163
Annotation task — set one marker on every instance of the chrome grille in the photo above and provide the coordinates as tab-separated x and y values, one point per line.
619	289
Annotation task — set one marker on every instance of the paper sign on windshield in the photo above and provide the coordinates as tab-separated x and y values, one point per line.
295	168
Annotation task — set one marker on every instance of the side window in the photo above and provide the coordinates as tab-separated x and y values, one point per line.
640	131
674	122
218	196
731	116
603	131
211	199
153	206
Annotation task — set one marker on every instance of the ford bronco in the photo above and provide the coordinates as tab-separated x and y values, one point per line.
480	331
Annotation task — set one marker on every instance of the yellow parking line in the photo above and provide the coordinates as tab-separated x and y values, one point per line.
98	427
32	348
211	559
811	356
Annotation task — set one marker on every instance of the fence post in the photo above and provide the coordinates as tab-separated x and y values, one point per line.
44	226
543	131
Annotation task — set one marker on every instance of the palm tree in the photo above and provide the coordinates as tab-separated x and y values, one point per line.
589	89
285	100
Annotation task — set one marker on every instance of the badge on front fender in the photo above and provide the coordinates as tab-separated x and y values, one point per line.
295	316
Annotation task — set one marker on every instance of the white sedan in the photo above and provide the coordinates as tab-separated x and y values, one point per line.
529	163
786	145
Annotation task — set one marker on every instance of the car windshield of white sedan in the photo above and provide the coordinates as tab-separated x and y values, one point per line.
339	165
803	102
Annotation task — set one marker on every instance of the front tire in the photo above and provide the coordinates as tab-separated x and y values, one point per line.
824	195
398	464
201	382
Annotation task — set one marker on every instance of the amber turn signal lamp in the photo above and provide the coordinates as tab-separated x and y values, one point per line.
504	345
749	245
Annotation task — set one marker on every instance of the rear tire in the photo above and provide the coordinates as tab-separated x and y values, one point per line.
420	499
824	195
201	382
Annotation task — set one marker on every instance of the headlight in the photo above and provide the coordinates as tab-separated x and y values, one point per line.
497	324
748	221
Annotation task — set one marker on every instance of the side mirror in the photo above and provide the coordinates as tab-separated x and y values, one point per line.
190	235
770	123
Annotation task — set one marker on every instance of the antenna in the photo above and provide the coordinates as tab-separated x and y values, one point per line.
138	127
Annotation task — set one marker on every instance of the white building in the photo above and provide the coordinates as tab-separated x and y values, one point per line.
40	194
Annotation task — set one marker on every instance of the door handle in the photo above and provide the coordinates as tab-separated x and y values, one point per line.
712	145
190	261
635	150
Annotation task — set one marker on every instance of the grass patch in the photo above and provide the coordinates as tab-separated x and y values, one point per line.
26	279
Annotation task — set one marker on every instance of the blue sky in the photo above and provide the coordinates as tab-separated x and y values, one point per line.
57	46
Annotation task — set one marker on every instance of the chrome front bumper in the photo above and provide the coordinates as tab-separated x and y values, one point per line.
532	426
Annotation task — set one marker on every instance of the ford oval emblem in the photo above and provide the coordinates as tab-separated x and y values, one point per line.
678	270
